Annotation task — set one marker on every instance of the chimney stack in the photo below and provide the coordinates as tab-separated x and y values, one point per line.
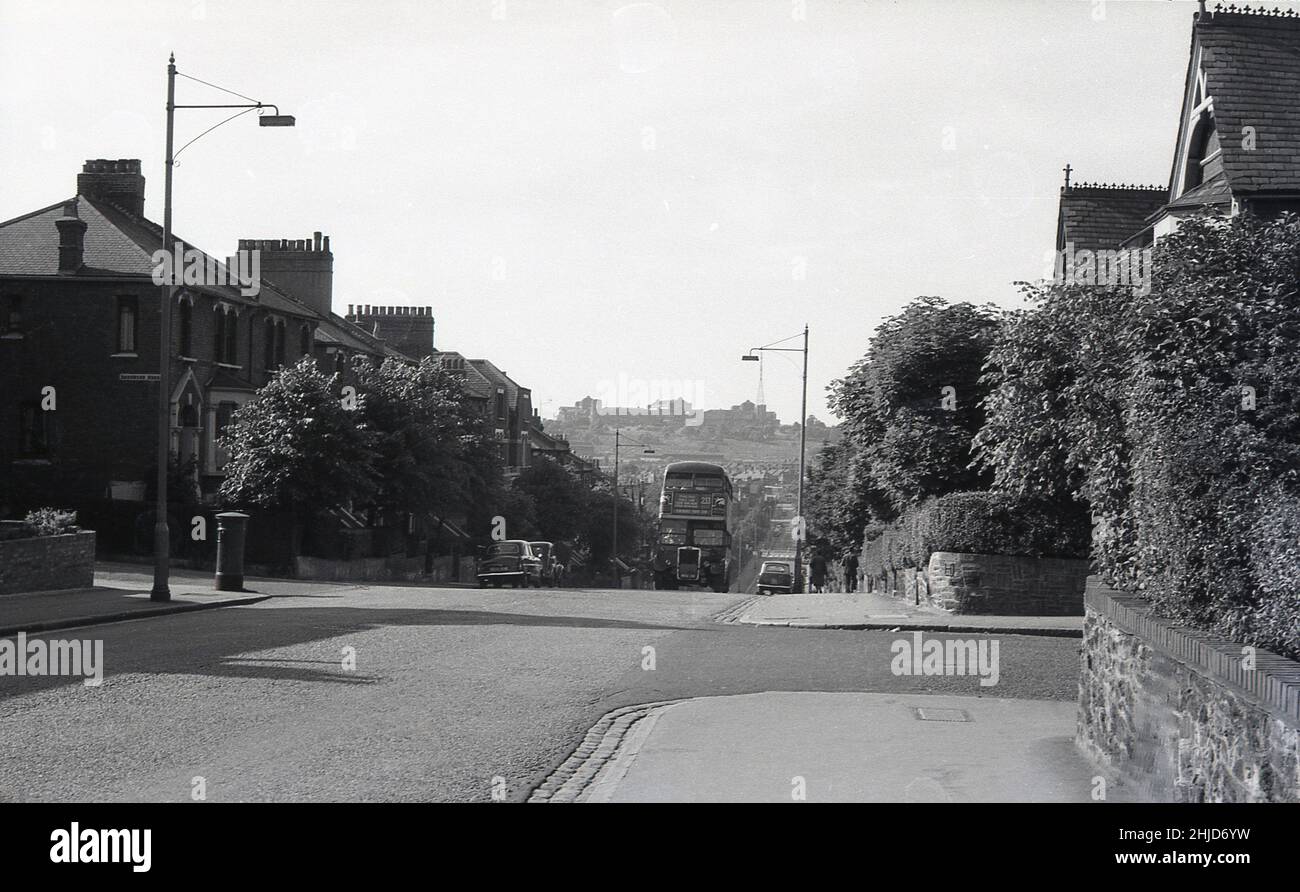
409	329
302	267
118	183
72	238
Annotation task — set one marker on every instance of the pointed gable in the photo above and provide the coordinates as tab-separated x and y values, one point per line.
1101	218
1241	106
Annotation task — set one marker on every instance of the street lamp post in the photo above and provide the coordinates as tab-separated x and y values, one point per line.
161	535
646	450
803	439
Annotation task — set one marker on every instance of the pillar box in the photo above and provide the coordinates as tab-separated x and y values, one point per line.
231	527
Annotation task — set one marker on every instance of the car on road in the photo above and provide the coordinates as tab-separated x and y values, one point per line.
512	561
776	577
545	552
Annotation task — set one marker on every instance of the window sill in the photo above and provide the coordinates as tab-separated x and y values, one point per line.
187	359
226	365
124	356
11	336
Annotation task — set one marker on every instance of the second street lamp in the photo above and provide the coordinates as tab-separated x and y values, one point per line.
645	450
161	535
800	527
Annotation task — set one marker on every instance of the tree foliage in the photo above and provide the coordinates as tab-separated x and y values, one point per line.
1174	413
420	432
560	500
294	446
911	407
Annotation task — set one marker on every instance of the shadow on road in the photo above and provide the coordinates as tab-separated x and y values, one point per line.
211	642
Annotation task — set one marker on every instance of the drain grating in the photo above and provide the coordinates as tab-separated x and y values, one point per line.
931	714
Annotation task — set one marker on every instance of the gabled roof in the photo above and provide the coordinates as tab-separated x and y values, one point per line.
1252	72
29	245
499	379
1097	218
474	382
116	243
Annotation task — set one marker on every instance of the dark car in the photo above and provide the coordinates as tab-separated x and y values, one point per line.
511	561
545	552
776	576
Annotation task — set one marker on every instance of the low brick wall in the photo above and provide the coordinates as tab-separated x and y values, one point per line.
1176	713
1006	585
47	563
390	569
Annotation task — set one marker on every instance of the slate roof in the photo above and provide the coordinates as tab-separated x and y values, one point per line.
1213	191
1252	71
1095	218
29	245
474	382
118	243
499	379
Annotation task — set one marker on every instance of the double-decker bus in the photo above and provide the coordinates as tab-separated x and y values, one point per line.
692	544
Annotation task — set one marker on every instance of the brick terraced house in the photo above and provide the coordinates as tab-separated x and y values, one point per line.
79	344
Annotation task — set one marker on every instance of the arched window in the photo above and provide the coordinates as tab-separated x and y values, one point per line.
279	342
219	333
268	345
187	327
232	338
1204	154
226	340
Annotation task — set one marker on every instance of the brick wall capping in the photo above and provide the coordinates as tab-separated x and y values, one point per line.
1274	683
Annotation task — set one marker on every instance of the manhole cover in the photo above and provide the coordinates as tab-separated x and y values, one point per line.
931	714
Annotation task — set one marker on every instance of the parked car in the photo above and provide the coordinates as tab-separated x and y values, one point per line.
512	561
776	577
545	552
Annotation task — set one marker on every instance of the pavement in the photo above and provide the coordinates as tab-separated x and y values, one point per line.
864	610
850	747
121	592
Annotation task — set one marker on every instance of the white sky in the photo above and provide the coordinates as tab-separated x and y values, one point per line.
644	177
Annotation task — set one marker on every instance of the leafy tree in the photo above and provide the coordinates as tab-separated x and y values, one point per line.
294	446
420	431
912	405
838	496
598	532
561	501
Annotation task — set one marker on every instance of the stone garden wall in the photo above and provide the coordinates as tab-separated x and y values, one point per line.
1184	715
1006	585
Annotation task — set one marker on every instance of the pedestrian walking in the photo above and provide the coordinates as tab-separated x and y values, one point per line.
850	572
817	576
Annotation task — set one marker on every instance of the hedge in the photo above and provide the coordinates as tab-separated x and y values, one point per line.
977	523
